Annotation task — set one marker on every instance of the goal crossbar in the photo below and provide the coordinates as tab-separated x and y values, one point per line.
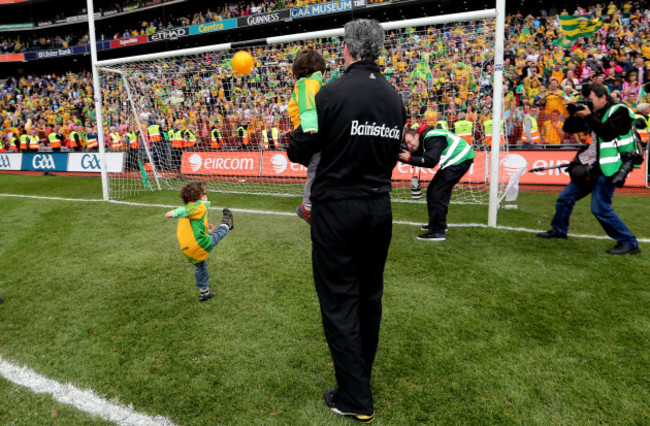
431	20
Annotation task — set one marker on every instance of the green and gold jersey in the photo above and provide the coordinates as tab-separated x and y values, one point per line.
192	233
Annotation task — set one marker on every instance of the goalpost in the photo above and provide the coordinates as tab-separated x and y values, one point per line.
193	118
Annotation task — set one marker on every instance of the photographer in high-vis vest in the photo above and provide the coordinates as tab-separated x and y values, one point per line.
427	147
598	168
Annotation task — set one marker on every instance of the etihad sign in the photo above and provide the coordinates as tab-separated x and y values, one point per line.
169	34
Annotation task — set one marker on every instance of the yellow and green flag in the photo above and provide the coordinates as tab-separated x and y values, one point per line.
421	71
576	26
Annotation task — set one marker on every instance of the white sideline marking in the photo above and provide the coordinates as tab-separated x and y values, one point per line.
397	222
83	400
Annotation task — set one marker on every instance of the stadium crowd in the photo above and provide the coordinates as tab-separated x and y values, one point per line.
227	10
443	74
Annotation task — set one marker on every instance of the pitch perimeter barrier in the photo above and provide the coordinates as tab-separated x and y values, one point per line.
276	164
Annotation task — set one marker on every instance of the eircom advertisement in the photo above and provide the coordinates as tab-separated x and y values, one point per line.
253	164
270	164
510	163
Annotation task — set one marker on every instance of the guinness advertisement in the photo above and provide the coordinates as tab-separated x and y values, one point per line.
169	34
264	18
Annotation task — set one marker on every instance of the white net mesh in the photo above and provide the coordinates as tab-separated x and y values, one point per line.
232	130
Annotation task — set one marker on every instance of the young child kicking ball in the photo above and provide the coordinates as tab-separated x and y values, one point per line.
196	237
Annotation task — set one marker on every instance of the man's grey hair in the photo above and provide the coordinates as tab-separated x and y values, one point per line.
365	39
642	107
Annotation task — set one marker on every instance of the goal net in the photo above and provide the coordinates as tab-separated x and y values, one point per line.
189	116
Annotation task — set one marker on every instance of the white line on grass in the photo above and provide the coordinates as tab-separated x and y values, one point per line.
398	222
83	400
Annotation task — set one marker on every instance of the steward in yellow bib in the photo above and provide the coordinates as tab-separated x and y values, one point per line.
642	122
34	141
242	133
426	148
487	129
216	140
531	136
190	138
154	133
464	128
12	144
275	136
24	142
55	140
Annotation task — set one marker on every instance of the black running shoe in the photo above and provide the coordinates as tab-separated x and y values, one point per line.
623	249
551	234
330	400
433	236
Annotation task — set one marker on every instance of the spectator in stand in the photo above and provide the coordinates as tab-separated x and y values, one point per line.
552	131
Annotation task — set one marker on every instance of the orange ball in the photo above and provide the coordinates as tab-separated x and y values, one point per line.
243	62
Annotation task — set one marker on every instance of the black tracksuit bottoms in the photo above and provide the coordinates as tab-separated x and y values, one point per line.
350	240
439	194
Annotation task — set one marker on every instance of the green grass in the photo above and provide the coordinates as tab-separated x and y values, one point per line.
490	327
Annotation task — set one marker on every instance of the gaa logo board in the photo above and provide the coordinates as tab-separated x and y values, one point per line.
55	162
11	161
88	162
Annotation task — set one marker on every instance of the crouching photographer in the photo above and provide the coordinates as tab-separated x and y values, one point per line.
597	169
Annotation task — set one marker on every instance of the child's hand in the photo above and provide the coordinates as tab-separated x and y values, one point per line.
169	214
211	228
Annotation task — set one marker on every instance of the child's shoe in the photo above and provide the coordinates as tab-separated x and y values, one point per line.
206	295
304	212
227	218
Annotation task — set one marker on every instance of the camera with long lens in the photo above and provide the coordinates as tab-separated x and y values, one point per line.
630	159
580	105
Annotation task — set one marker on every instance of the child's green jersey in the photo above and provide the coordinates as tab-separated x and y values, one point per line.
193	238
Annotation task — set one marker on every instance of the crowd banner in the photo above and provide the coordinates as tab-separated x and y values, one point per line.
322	9
128	41
210	27
170	34
264	18
12	161
88	162
16	26
12	57
46	162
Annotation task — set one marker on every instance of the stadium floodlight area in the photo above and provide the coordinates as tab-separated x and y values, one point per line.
232	131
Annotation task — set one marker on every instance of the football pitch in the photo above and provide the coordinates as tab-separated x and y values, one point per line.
492	326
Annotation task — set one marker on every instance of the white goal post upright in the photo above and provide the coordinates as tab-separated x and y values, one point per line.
499	37
98	97
186	72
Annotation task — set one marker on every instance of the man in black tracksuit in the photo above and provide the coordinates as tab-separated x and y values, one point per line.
360	117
